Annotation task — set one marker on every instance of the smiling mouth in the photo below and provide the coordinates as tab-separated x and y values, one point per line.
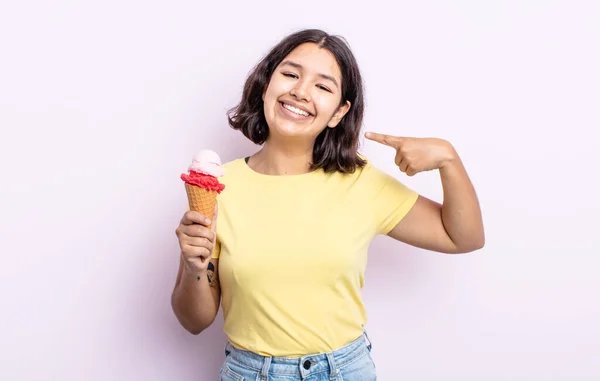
295	110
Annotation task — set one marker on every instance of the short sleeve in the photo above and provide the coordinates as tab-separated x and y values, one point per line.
217	249
390	199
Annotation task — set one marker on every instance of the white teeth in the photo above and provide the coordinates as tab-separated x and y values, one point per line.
296	110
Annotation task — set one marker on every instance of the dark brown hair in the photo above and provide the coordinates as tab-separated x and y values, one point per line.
335	149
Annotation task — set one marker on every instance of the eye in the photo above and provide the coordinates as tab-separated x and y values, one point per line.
324	88
290	75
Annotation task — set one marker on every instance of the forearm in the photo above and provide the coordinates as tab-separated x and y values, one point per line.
461	213
193	302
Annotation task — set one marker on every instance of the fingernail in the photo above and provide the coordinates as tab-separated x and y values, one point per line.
207	221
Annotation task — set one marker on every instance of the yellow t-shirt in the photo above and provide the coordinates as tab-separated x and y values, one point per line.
292	254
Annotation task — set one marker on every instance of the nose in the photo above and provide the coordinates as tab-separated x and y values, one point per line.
300	91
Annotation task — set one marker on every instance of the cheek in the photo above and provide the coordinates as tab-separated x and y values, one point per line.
276	87
269	104
326	106
268	101
270	96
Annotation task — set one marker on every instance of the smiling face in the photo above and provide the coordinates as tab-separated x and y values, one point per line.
304	94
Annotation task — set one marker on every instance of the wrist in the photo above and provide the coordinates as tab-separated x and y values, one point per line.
193	273
450	156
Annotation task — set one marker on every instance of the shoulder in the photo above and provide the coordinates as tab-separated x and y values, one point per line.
233	166
232	163
232	170
363	179
369	171
376	179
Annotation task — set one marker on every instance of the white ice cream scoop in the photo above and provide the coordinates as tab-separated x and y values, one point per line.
207	162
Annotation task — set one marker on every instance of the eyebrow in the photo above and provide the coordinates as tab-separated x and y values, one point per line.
300	67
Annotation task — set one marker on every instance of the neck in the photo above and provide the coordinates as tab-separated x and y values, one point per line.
281	160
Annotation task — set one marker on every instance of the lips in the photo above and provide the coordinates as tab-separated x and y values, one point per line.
296	105
293	115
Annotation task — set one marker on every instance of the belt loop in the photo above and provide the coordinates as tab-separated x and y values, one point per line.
264	372
333	371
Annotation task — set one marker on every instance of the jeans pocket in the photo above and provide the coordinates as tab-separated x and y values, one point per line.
363	369
227	374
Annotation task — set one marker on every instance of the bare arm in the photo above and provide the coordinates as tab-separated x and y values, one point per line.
457	225
196	301
454	227
196	297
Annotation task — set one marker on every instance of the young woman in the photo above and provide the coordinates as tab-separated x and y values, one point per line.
297	217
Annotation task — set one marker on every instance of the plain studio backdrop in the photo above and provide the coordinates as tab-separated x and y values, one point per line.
103	104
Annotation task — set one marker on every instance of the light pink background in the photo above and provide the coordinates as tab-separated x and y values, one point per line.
103	104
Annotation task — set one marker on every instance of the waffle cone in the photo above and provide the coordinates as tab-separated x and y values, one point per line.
201	200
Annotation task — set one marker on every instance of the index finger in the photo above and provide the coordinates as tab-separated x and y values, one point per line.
192	217
387	140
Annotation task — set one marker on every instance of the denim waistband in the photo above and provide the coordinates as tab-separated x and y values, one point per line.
301	366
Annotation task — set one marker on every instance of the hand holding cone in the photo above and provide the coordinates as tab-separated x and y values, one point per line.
202	187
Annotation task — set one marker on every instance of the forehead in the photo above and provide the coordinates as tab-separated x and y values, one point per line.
315	59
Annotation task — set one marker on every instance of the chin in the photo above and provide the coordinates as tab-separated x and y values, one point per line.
291	129
289	132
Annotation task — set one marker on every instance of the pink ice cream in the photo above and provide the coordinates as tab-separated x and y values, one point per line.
205	170
207	162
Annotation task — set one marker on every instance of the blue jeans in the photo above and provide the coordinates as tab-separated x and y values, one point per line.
352	362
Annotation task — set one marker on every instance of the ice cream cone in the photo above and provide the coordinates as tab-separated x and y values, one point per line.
201	200
202	184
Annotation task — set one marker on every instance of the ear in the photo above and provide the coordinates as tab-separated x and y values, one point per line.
339	114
